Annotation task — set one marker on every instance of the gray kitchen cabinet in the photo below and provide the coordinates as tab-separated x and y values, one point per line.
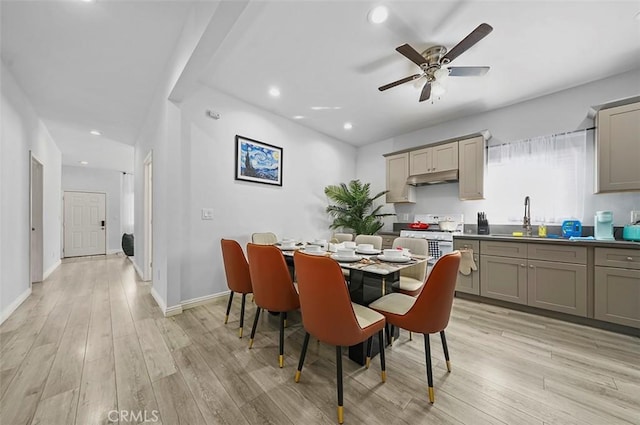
387	241
503	278
618	148
434	159
557	286
617	286
471	162
397	172
470	283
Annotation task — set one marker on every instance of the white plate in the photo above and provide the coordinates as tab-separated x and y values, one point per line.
314	253
372	252
288	248
401	259
342	259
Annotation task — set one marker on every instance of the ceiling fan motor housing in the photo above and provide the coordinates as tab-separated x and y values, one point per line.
433	55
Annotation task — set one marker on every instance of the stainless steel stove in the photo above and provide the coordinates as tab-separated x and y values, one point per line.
440	241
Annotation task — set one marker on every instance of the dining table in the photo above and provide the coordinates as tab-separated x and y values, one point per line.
370	278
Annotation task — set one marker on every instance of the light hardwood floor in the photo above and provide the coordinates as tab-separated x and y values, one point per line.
90	340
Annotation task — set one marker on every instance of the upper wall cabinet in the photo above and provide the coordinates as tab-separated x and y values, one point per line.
434	159
397	173
471	164
618	148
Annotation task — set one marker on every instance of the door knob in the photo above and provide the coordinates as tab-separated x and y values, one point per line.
33	229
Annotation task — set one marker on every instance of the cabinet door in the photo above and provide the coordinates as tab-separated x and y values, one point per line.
397	173
444	157
557	286
618	148
470	283
503	278
471	165
420	161
617	296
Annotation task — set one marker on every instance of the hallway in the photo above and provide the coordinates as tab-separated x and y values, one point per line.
90	346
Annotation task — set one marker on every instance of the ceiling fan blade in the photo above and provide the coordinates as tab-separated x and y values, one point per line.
411	54
476	35
426	92
467	71
397	83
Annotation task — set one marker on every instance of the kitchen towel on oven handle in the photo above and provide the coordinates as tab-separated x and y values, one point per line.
466	262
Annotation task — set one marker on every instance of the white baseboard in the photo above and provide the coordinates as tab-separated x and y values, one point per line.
136	267
158	299
51	269
173	311
113	251
14	305
195	302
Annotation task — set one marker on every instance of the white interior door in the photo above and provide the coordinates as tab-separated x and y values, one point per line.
84	224
36	234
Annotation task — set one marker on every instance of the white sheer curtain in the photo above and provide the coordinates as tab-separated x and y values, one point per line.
126	203
549	169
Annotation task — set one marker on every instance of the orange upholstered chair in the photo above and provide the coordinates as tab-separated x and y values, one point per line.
273	288
329	315
238	279
427	313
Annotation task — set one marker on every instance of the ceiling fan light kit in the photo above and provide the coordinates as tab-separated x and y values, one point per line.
432	62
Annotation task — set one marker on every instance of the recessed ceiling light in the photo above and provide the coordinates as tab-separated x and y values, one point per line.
348	126
298	117
274	91
95	132
83	162
378	15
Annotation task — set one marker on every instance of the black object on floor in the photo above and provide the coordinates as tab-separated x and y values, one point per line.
127	244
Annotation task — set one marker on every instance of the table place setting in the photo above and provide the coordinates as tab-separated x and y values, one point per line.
289	245
346	255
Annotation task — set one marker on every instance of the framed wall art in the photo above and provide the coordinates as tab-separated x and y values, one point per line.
258	162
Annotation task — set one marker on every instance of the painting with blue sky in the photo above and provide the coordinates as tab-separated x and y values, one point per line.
258	162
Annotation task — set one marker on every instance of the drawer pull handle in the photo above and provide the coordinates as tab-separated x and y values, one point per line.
629	258
530	266
521	265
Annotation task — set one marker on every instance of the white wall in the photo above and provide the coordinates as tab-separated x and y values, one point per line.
22	131
555	113
311	161
83	179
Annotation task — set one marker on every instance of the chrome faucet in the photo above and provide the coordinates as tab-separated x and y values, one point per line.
526	221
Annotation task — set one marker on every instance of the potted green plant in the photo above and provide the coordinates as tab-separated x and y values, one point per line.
353	207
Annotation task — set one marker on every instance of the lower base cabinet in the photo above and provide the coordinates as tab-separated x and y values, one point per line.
469	283
503	278
617	296
557	286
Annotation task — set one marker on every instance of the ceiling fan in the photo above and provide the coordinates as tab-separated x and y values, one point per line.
434	58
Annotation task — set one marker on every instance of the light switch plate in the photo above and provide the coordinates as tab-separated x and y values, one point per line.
207	213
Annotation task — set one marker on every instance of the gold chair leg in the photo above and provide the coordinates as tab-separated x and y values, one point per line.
367	362
448	366
226	318
340	414
297	378
431	395
383	374
250	343
281	360
240	333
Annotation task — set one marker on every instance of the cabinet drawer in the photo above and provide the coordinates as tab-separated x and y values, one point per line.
558	253
467	244
504	249
616	257
387	241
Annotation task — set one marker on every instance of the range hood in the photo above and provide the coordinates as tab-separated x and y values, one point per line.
433	178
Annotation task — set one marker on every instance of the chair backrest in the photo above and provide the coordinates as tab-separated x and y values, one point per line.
343	237
273	289
264	238
417	247
235	267
375	240
325	304
430	313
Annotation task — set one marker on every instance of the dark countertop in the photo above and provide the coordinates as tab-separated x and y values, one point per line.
388	233
559	241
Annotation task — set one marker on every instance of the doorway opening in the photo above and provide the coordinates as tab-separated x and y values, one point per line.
36	204
148	218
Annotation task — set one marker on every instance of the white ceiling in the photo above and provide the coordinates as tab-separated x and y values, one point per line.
96	65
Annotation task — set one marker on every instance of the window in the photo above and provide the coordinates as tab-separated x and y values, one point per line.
550	170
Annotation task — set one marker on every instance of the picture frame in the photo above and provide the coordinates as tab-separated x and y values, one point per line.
258	162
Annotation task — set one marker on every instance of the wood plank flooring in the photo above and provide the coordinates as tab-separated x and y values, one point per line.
90	340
